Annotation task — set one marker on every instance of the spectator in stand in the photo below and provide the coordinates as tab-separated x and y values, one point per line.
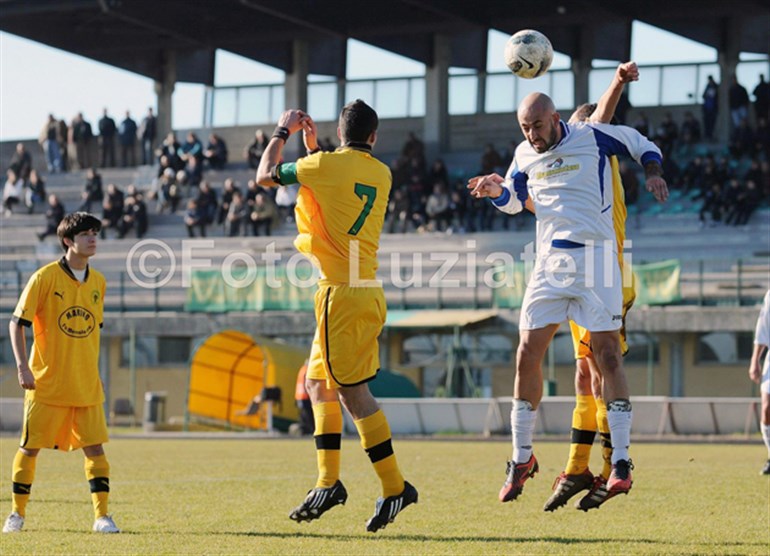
263	214
764	183
62	138
630	182
399	173
134	217
437	209
169	148
458	206
731	197
191	148
738	100
146	134
710	107
285	201
754	173
191	175
252	189
53	215
712	203
228	189
107	130
167	192
112	209
397	218
762	138
417	199
253	152
327	145
92	192
665	135
207	202
761	99
21	162
195	218
35	191
127	136
744	204
414	149
48	140
490	160
742	140
692	177
163	165
216	152
642	124
80	136
690	129
12	191
438	173
236	214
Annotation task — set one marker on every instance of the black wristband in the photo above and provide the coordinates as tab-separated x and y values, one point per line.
281	133
316	150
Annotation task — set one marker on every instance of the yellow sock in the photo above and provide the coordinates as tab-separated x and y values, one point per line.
604	431
23	475
328	437
375	439
583	434
98	476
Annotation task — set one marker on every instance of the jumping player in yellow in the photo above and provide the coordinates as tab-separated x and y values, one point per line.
64	303
340	213
590	411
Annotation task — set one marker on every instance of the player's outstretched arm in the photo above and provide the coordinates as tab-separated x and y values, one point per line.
755	367
605	108
490	186
289	122
19	346
655	182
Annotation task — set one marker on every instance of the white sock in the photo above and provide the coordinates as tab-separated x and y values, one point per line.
619	418
523	419
766	438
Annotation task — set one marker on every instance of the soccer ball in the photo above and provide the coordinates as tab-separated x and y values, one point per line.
528	54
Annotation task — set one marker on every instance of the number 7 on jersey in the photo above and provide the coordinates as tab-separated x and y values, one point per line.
368	194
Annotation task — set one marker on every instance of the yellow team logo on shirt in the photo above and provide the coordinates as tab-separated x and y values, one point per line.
77	322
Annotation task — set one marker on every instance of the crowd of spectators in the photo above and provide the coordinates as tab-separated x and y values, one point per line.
728	185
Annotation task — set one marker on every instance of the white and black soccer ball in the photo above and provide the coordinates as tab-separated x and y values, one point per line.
528	53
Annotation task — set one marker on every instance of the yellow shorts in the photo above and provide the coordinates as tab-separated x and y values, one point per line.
581	338
62	428
349	320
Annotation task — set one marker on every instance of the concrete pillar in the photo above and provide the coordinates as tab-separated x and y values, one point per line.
295	86
728	62
676	346
435	131
164	89
581	64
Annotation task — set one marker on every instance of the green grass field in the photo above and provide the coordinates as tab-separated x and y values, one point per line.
233	497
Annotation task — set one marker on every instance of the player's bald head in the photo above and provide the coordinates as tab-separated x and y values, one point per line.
537	104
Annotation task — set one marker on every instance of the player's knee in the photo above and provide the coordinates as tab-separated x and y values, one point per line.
527	355
609	358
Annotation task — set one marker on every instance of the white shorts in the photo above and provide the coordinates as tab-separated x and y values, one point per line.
581	284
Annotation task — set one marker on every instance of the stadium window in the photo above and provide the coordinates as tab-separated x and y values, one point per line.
392	98
639	349
499	93
146	351
359	89
322	101
173	349
417	97
679	86
725	348
254	105
225	101
463	94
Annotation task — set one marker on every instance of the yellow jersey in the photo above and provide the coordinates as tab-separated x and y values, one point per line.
340	210
65	315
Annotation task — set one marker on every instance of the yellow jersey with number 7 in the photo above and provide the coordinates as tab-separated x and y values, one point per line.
340	210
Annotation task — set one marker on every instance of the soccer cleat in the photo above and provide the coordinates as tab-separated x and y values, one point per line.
318	501
597	495
565	487
766	469
386	509
105	524
13	523
517	475
620	477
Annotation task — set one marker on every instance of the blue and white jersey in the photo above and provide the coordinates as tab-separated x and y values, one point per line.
571	183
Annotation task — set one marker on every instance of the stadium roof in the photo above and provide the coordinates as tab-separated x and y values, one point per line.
136	34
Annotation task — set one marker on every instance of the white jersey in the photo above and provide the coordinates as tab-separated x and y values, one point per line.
571	183
762	337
